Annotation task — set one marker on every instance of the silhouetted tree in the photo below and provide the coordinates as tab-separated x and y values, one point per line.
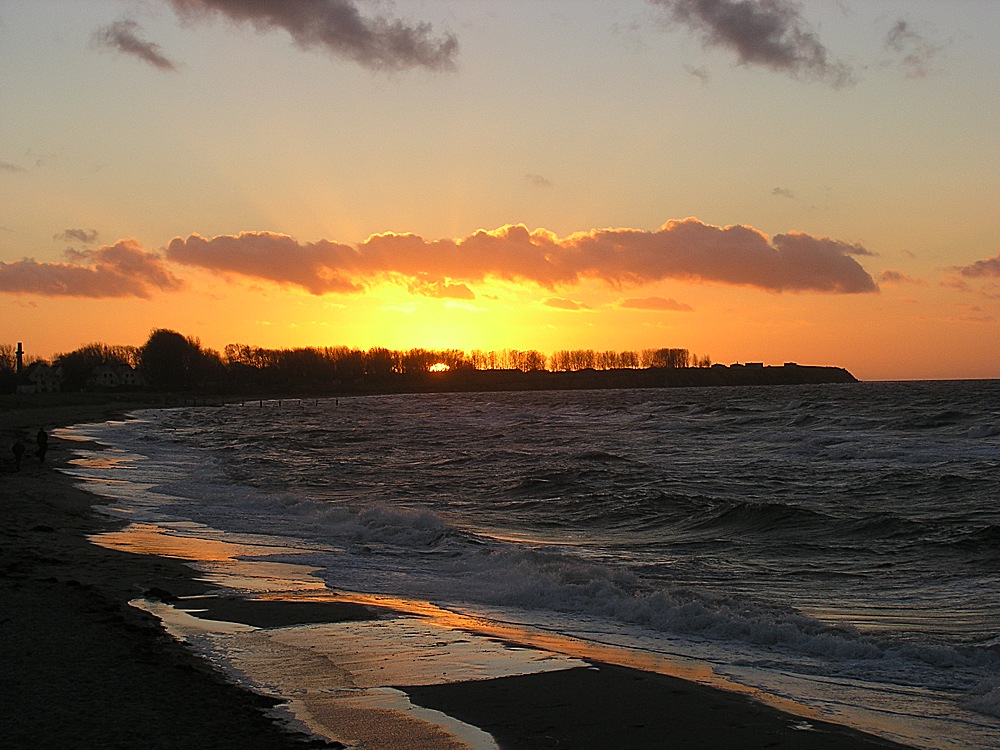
381	363
350	366
8	368
170	361
629	360
80	365
8	358
677	358
417	360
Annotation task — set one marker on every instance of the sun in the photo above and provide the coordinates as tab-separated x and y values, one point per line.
439	367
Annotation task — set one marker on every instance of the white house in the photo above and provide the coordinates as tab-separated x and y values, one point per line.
42	378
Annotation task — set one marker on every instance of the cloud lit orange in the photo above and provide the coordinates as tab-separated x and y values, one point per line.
687	250
124	269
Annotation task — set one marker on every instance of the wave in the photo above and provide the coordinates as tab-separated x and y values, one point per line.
983	431
682	517
599	456
984	540
461	568
760	518
984	698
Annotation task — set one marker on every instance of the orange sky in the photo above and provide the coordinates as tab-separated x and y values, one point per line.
816	183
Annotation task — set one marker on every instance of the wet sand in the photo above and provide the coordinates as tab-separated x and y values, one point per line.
82	668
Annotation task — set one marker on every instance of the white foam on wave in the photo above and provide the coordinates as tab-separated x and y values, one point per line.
386	546
985	697
399	550
983	431
396	549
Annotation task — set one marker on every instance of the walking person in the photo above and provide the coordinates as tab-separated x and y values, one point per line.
42	439
18	450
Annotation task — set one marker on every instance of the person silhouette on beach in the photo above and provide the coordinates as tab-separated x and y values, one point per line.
18	450
42	439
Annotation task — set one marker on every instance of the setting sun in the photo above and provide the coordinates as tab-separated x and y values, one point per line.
604	225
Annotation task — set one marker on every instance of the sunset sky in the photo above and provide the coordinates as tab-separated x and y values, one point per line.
753	180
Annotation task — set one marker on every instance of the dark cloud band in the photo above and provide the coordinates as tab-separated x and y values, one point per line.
339	27
769	33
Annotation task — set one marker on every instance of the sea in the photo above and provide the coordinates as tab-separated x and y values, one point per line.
835	548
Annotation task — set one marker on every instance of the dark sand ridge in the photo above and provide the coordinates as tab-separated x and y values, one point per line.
82	668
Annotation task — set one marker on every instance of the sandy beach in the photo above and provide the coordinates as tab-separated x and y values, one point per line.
83	668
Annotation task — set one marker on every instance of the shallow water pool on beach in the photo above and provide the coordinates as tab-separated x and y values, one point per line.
833	547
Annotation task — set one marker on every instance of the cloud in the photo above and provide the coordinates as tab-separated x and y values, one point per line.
561	303
975	314
954	282
318	267
124	269
86	236
338	26
124	36
8	167
701	73
441	289
769	33
783	192
687	250
989	269
896	277
538	180
916	52
659	304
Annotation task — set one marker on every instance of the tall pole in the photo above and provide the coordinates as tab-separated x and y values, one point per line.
20	357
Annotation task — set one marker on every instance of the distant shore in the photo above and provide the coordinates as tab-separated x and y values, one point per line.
452	381
85	669
754	374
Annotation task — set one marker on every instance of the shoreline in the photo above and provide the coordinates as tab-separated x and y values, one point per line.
87	669
83	668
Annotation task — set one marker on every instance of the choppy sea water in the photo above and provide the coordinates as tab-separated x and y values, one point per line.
837	546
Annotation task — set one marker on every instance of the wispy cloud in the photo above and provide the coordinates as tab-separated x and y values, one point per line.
783	192
975	314
85	236
441	289
916	52
124	269
988	269
658	304
378	42
896	277
8	167
125	36
688	250
561	303
768	33
701	73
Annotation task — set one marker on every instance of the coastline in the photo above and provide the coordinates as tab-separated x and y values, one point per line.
87	669
83	668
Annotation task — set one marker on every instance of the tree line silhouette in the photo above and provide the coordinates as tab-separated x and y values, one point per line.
170	361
